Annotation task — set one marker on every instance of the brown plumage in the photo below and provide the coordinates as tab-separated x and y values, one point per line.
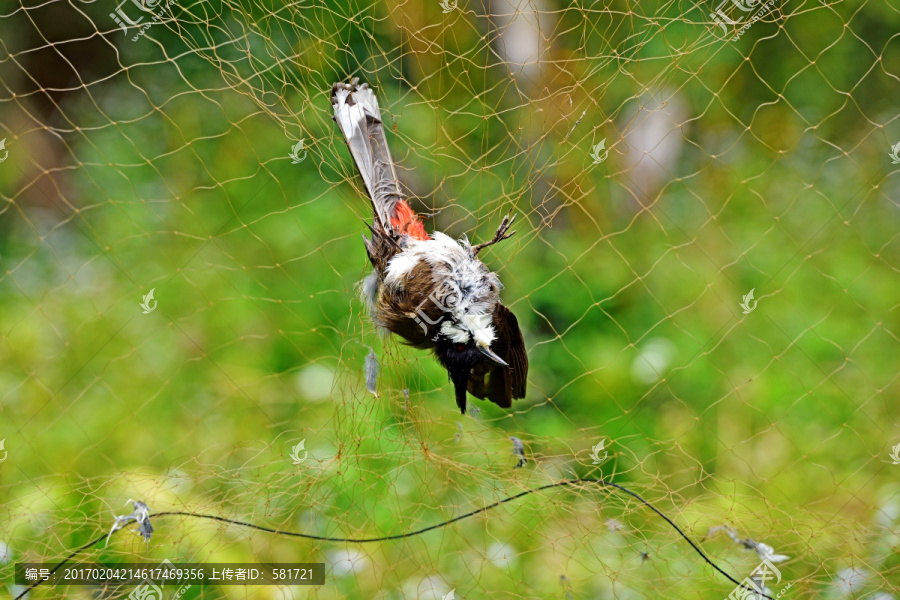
432	291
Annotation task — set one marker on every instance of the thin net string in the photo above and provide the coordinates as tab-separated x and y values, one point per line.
659	171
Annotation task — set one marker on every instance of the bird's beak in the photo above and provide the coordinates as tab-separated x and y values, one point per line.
491	355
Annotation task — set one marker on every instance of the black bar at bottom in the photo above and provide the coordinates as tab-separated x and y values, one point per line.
169	574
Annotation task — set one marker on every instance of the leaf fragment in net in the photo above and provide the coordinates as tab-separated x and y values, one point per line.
372	370
140	515
765	551
519	451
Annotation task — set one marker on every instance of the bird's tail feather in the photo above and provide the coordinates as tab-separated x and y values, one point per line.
359	118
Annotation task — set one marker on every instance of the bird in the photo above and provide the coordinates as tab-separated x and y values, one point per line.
431	290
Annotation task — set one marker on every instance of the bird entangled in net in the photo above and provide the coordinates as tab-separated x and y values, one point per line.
705	276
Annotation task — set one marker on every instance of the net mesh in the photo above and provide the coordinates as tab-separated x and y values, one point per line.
660	169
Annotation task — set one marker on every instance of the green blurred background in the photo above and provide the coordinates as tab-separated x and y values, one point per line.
163	163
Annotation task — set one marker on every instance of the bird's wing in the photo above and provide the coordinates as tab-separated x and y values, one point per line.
495	382
516	356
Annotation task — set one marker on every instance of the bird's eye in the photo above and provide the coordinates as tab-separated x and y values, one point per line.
461	347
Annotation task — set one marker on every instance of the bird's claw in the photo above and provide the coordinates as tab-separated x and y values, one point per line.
499	236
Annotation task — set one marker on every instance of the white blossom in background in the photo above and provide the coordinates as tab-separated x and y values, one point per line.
653	360
347	562
5	553
433	587
613	525
314	382
502	556
522	28
887	514
17	590
311	521
178	481
850	581
653	140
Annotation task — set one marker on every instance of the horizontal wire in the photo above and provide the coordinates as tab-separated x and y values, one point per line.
400	536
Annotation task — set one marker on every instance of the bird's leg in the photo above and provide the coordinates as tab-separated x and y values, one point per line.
498	237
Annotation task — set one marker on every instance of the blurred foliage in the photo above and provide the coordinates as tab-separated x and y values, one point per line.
163	164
